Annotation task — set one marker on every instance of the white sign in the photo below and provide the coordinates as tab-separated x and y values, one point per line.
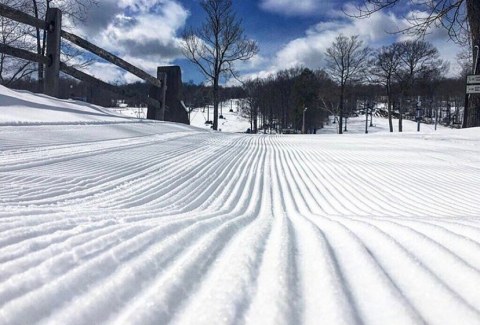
473	79
473	89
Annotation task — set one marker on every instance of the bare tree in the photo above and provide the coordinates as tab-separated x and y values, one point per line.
217	45
386	64
347	61
464	59
34	39
14	34
253	89
74	10
459	17
417	58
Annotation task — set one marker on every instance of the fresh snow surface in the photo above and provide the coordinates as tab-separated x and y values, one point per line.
356	125
140	222
20	107
233	122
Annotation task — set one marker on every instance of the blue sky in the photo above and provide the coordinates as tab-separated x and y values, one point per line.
271	29
289	33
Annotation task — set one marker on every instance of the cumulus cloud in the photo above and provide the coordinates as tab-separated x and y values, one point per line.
106	72
377	30
144	32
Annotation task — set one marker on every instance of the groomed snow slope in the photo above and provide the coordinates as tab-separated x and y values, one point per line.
21	107
155	223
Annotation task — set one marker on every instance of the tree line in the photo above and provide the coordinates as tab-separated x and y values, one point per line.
354	76
395	74
193	94
401	68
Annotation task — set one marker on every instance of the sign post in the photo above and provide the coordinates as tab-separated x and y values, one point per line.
473	87
473	79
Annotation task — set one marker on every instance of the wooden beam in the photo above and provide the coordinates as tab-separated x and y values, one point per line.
23	54
111	58
94	82
21	17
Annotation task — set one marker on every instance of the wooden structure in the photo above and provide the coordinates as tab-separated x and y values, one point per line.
158	95
176	111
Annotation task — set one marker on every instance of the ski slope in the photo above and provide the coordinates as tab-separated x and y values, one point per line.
232	122
356	125
106	219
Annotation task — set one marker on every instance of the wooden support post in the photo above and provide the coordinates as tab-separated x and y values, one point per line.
174	111
52	71
159	94
163	94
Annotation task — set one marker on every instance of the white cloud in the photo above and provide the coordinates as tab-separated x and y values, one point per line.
143	32
375	31
106	72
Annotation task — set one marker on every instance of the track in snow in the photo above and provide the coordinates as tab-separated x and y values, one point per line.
154	223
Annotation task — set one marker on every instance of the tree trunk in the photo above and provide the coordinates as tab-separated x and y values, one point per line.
472	113
255	120
251	119
400	116
340	113
215	103
473	12
389	108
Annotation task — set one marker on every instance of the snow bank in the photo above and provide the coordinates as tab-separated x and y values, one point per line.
22	107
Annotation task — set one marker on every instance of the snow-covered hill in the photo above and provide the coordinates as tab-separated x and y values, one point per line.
107	219
21	107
